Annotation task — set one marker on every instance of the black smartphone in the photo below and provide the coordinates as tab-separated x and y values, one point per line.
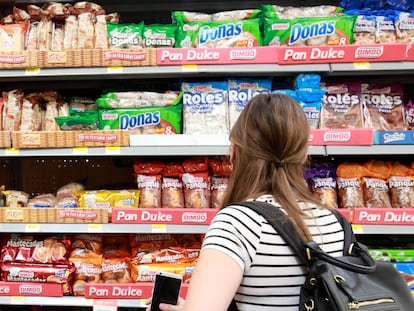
166	289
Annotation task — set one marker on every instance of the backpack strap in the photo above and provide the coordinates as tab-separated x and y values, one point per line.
281	223
285	228
349	236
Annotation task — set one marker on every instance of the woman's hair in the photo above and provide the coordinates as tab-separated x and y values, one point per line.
270	141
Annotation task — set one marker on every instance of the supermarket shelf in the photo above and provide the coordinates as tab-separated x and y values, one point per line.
63	301
370	150
157	148
145	72
146	228
370	68
146	145
383	229
98	228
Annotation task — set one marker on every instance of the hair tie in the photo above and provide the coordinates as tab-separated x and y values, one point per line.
278	164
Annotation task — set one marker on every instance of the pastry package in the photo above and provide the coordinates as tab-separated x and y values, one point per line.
341	105
116	270
12	109
385	29
383	106
196	190
172	192
86	31
149	187
350	194
219	34
116	245
205	107
401	191
12	37
240	91
25	248
218	190
324	189
70	39
376	193
85	272
31	115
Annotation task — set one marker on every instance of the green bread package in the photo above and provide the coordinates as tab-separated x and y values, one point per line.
147	120
310	31
219	34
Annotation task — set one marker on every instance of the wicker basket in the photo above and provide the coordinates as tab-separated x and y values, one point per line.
68	139
128	57
67	58
5	139
54	215
19	59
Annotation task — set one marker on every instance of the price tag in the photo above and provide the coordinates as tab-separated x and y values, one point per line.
17	300
159	228
94	227
112	150
115	69
32	228
105	305
80	150
32	71
12	151
362	65
357	228
189	68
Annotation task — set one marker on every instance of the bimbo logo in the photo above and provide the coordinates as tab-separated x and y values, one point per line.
194	217
337	136
30	289
243	54
369	52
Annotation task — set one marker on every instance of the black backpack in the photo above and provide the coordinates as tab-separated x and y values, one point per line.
351	282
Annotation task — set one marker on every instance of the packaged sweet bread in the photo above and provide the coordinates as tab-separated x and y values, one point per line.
196	190
46	200
31	115
86	31
26	248
101	33
15	198
324	189
383	106
12	37
13	109
149	187
401	191
116	270
218	189
85	272
376	193
116	245
70	40
147	272
341	106
350	194
172	192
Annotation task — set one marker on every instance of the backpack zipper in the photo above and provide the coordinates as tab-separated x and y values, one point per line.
357	304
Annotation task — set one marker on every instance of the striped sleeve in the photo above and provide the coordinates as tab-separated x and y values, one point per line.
235	230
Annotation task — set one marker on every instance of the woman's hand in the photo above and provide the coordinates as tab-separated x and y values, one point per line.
167	307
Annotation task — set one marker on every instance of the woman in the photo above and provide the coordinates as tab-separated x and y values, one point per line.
242	256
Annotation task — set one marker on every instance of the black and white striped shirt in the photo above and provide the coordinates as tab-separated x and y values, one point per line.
272	273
